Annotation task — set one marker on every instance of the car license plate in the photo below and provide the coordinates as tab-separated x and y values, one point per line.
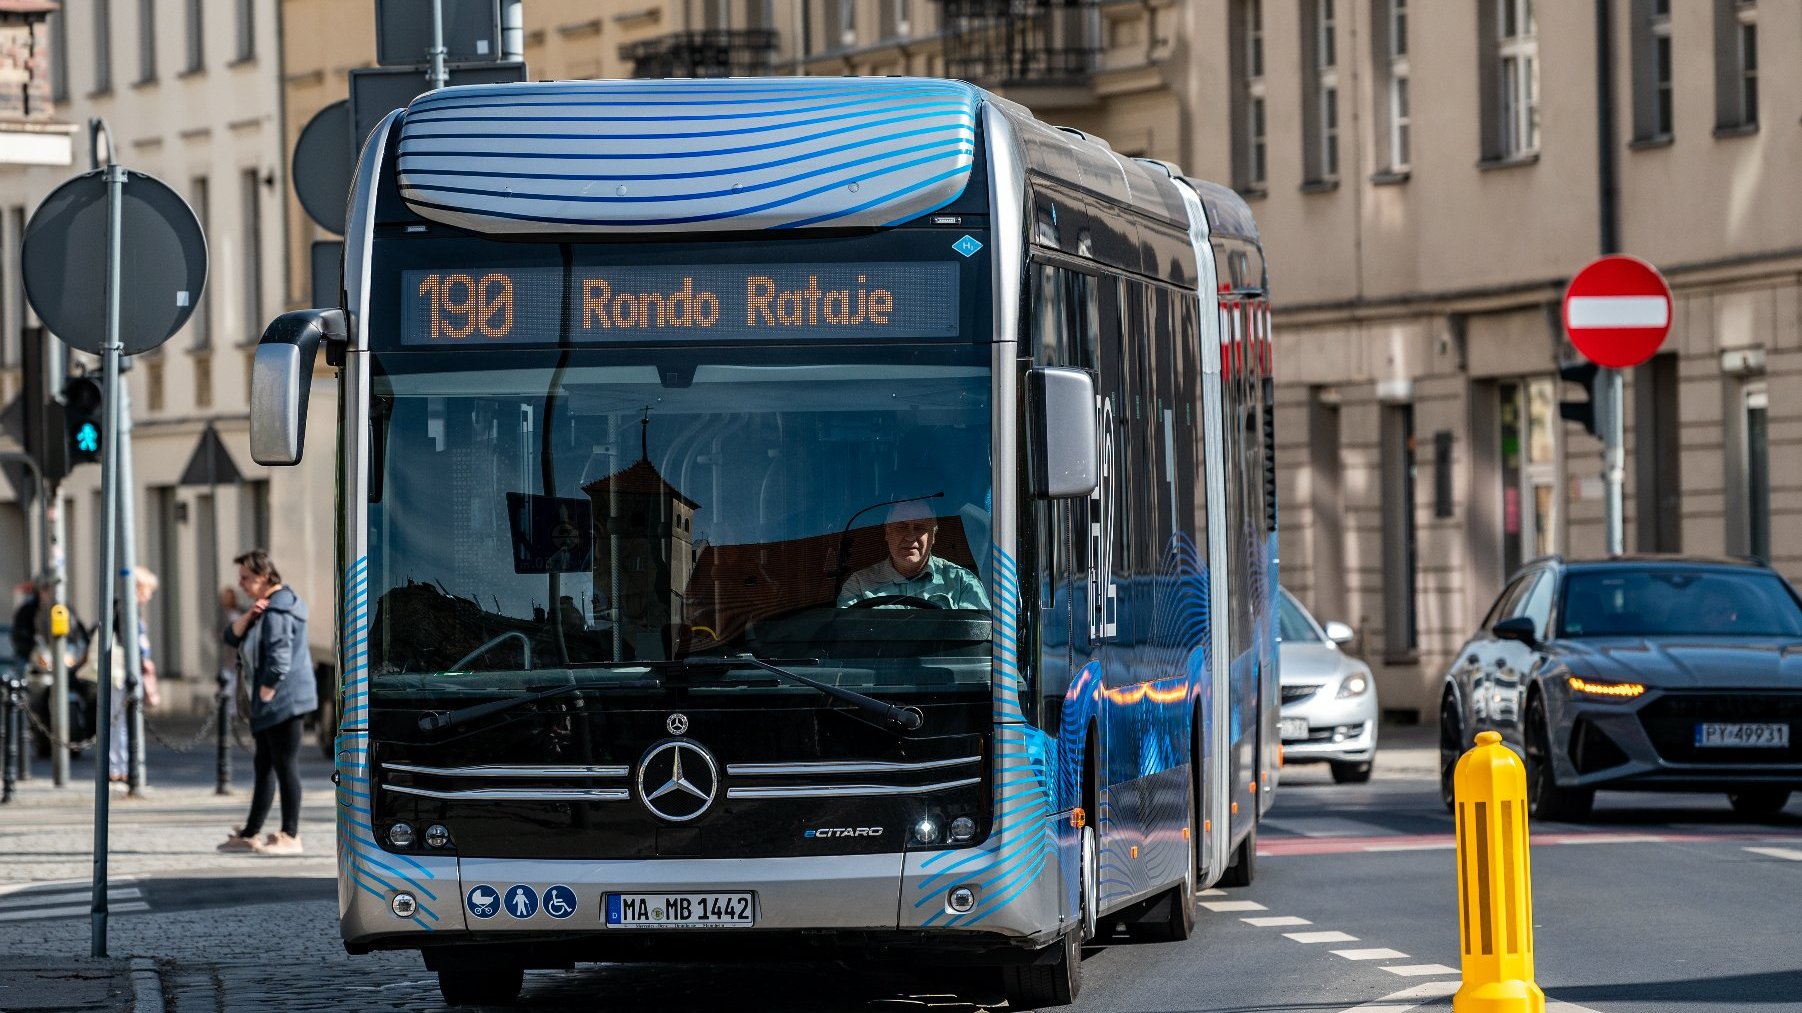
1294	729
678	910
1743	736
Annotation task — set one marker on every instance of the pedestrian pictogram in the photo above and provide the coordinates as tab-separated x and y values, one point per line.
559	901
87	438
482	901
522	901
1617	311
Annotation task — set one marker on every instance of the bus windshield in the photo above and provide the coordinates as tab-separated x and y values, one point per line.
580	510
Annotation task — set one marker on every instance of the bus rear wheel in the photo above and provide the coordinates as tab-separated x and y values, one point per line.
1244	865
1054	978
480	984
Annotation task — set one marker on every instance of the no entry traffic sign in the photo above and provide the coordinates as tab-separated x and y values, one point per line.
1617	311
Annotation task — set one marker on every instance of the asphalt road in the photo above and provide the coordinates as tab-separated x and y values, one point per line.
1659	904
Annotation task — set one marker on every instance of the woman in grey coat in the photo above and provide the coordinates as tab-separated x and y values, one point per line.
271	638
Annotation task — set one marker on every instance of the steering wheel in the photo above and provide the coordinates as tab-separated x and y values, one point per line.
911	601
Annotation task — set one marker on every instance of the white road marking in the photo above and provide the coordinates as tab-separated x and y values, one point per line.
1790	854
1378	953
1407	998
1233	905
1619	311
33	914
1214	892
1320	937
1419	970
1273	921
1416	846
1611	839
1554	1006
71	896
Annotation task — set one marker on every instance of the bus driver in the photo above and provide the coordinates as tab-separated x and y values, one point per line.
911	569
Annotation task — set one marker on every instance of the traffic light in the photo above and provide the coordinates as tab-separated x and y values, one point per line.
83	420
1584	412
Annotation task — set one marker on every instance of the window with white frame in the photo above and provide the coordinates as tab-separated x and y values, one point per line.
1736	65
103	45
847	22
1653	97
1246	37
1517	64
1745	16
196	36
1400	119
1323	163
146	41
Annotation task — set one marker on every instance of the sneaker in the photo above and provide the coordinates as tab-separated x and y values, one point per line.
278	844
238	842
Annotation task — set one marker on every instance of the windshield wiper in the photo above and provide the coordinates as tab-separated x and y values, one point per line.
433	722
907	719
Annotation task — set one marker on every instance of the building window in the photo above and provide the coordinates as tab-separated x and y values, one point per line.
1657	457
146	41
251	263
103	45
199	333
59	57
153	385
247	30
1735	66
1517	66
1756	469
1320	111
203	381
1652	95
847	23
1394	118
196	36
1401	626
1246	31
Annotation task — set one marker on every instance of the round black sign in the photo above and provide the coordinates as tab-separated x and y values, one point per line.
162	269
322	165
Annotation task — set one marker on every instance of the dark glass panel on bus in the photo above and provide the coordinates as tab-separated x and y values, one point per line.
607	506
1676	602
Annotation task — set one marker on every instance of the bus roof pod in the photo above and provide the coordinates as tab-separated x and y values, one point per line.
688	155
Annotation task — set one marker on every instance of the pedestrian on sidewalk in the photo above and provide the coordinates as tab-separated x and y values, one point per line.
144	585
271	639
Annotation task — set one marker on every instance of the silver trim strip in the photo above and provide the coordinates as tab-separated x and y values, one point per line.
846	790
501	770
516	794
836	767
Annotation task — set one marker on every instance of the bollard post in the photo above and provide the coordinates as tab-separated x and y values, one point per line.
11	755
223	761
1495	891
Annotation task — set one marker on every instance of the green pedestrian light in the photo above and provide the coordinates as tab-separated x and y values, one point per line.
83	402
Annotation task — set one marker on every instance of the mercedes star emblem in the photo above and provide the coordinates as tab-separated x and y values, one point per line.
678	780
677	724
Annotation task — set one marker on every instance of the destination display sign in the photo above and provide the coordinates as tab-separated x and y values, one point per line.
717	302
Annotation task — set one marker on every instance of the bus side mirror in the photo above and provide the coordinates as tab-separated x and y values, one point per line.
281	376
1061	412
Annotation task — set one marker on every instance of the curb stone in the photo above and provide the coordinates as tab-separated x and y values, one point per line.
146	986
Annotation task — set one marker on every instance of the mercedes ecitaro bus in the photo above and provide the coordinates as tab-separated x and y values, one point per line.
787	516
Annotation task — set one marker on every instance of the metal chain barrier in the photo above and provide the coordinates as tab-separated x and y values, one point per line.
73	747
190	745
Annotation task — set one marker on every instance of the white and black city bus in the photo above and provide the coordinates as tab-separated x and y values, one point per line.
652	394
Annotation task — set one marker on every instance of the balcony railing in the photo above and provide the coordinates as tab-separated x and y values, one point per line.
1021	43
739	52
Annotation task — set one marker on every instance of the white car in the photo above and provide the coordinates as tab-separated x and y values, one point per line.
1329	698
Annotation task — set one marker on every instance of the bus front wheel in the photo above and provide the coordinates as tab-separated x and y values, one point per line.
480	984
1053	979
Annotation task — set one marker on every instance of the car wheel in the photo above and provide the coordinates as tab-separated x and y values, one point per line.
1545	799
480	984
1759	801
1351	773
1451	747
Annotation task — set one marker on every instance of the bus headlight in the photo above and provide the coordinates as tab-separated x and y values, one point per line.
403	905
926	832
401	835
437	835
962	829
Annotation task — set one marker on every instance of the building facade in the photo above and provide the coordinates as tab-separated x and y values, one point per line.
189	92
1427	178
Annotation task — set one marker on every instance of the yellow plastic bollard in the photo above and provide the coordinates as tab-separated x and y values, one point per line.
1495	890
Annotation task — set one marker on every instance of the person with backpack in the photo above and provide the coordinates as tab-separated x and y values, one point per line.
273	658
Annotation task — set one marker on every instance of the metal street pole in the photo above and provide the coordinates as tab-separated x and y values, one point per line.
1614	458
109	478
437	76
128	601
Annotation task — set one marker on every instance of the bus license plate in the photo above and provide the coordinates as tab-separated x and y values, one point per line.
1294	729
678	910
1743	736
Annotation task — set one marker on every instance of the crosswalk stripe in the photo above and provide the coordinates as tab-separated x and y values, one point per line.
1320	937
69	912
1272	921
1378	953
1790	854
1407	998
1233	905
39	899
1419	970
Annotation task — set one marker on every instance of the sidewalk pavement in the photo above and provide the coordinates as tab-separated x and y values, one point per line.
40	983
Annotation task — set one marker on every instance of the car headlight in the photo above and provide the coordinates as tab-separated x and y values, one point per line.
1355	684
1613	690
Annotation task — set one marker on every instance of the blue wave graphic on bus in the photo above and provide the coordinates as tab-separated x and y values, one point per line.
361	861
610	156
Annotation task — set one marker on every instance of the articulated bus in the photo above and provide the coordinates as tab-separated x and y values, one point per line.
796	516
